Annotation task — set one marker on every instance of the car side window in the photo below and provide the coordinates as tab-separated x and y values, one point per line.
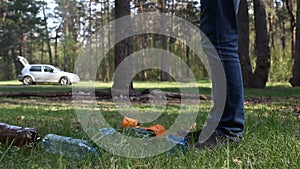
35	69
48	69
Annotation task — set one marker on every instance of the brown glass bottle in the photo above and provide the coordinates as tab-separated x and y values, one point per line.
18	136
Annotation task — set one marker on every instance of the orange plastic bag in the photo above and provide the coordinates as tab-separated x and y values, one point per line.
129	122
158	129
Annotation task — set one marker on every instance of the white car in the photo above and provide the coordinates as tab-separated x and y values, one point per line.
34	73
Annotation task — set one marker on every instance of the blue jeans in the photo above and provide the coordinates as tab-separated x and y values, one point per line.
219	24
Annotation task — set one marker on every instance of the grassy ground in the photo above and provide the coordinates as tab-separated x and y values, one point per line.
271	137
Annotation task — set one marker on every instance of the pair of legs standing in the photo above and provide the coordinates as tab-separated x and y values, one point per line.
219	24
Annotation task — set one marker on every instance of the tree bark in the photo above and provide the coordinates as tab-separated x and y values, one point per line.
123	48
295	81
282	24
56	46
271	23
7	67
165	63
143	74
262	48
47	34
289	6
243	21
18	66
22	45
101	94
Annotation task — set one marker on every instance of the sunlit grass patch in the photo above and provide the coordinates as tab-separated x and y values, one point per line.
271	137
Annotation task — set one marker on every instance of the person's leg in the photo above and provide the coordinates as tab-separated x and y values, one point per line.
219	24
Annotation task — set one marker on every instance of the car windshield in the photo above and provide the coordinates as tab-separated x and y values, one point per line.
58	69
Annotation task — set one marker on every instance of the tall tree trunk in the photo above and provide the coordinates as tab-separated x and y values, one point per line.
105	73
123	48
67	18
21	45
66	35
188	62
165	63
262	48
47	33
91	67
143	42
295	81
56	46
282	24
271	23
7	67
31	44
17	63
289	6
42	52
243	21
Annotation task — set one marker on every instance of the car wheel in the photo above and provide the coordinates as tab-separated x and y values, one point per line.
27	80
64	81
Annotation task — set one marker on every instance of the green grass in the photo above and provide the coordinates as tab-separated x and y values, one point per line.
273	90
271	136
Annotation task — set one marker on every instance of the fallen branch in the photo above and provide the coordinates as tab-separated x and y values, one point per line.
36	94
102	94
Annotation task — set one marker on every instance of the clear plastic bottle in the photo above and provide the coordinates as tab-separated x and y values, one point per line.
107	131
177	144
67	146
141	133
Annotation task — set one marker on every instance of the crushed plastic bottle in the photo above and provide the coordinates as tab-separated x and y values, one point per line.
144	132
177	144
181	145
141	132
67	146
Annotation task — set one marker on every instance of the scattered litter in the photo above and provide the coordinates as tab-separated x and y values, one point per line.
18	136
180	145
81	149
129	122
67	146
20	117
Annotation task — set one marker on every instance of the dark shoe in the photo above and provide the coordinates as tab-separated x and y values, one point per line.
214	141
191	136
